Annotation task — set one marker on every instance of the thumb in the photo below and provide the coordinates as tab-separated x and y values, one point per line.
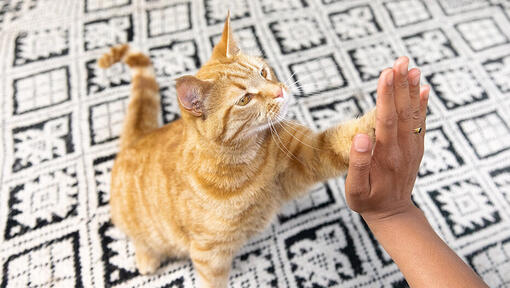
357	181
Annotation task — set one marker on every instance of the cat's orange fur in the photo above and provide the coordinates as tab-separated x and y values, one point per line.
202	185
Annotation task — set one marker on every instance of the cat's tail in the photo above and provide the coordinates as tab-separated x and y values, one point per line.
143	109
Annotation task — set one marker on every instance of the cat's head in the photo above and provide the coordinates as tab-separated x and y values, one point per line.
233	96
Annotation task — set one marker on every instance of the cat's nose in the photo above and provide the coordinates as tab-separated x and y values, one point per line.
279	94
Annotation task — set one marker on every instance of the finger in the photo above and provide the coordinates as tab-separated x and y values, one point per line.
414	93
357	182
424	99
386	123
402	101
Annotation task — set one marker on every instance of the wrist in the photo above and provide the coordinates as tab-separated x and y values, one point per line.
375	219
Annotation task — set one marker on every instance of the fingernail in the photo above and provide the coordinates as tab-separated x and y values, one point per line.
403	68
416	79
426	95
361	143
389	78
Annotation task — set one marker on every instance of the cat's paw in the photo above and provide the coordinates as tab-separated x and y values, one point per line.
369	120
146	262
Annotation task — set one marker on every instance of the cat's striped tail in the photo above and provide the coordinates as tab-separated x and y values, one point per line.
143	109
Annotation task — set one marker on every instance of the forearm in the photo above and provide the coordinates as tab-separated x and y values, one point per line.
424	259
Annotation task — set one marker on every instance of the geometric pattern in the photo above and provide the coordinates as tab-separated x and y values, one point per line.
106	120
322	74
370	60
455	7
430	47
119	253
492	263
99	5
501	178
52	264
465	206
297	34
487	134
262	275
41	142
334	111
61	118
499	70
335	263
357	22
47	88
440	156
456	87
108	32
482	33
407	12
175	58
215	10
100	79
37	45
169	19
247	40
102	175
269	6
318	197
169	108
49	198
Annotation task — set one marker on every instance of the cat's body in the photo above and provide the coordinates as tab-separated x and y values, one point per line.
202	185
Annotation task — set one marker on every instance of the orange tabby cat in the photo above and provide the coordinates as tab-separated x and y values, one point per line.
202	185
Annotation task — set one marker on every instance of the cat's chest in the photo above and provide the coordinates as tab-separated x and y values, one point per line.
255	209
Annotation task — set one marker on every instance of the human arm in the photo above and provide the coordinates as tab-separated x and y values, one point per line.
380	182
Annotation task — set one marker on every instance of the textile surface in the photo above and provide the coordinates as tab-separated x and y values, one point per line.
61	117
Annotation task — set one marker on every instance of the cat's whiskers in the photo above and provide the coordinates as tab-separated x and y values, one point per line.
298	80
304	85
292	135
274	140
285	150
284	121
285	82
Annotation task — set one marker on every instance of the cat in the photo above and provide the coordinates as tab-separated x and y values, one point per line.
201	186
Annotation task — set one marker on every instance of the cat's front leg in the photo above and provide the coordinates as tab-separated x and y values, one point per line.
342	135
212	263
315	157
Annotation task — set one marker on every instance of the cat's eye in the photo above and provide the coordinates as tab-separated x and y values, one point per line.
245	99
264	73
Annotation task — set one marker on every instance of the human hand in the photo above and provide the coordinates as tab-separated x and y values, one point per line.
379	184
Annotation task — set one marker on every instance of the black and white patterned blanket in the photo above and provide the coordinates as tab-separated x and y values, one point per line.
61	117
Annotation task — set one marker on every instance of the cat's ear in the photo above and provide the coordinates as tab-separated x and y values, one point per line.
227	46
191	93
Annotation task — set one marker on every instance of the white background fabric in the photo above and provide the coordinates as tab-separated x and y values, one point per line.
61	117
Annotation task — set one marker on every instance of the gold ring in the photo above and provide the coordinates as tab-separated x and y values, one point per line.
417	130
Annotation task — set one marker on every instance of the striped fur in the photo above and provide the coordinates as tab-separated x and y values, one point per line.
199	187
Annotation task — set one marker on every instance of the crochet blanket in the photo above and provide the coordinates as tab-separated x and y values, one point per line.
61	117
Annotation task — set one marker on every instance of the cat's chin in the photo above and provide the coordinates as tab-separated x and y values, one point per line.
258	129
